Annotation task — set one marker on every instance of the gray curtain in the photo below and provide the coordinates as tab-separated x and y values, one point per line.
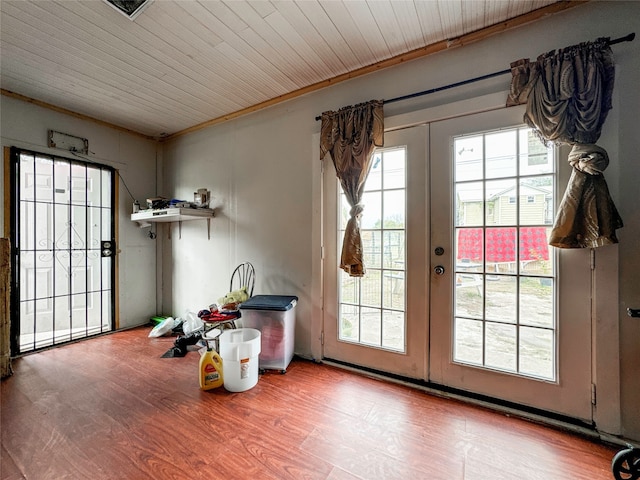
568	96
350	136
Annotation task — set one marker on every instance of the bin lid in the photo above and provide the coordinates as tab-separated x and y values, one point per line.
270	302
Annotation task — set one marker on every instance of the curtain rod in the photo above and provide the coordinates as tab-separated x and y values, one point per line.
626	38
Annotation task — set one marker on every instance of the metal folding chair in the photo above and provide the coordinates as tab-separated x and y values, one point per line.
244	276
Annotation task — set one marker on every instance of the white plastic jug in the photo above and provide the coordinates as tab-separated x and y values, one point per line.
239	349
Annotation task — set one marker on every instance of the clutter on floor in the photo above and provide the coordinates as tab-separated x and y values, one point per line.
181	344
164	327
230	356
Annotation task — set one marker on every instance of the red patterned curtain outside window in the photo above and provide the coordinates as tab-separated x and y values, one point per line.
499	245
350	136
568	95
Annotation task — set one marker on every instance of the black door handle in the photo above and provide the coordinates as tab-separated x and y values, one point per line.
633	312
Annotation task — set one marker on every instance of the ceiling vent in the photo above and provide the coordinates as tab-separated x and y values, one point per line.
129	8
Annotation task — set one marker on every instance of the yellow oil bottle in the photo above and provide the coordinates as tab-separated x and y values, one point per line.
211	375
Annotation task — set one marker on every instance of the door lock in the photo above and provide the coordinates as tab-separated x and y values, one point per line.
107	248
439	270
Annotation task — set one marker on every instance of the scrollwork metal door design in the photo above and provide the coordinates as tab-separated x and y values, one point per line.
63	239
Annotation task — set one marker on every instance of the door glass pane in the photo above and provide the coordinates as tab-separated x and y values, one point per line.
500	250
501	202
500	346
468	345
469	294
374	180
349	322
371	325
536	301
350	288
469	204
393	330
536	197
504	269
394	169
393	289
372	215
370	288
534	156
500	154
394	209
372	248
393	249
372	307
537	352
534	251
469	160
469	249
501	298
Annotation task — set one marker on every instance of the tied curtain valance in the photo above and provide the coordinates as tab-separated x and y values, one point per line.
568	96
350	136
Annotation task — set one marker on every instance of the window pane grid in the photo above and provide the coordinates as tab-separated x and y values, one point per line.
504	301
372	308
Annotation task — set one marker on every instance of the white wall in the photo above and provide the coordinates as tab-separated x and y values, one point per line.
264	179
25	125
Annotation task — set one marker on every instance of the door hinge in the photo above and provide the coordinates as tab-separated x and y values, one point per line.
322	252
593	394
321	338
593	259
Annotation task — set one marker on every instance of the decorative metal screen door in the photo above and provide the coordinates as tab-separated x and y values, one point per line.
63	241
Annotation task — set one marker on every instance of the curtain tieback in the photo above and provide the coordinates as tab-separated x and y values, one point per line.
589	158
356	210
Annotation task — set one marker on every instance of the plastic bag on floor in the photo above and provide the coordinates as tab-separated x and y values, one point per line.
163	327
190	323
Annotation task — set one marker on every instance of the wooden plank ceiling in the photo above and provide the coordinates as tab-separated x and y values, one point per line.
180	64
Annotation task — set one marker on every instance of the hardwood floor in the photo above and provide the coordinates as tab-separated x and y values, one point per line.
112	408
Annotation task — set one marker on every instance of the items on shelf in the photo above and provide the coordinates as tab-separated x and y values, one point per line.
201	198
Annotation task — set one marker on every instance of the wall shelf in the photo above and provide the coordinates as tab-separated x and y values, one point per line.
166	215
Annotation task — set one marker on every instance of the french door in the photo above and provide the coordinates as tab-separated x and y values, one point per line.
512	315
488	307
378	320
63	246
